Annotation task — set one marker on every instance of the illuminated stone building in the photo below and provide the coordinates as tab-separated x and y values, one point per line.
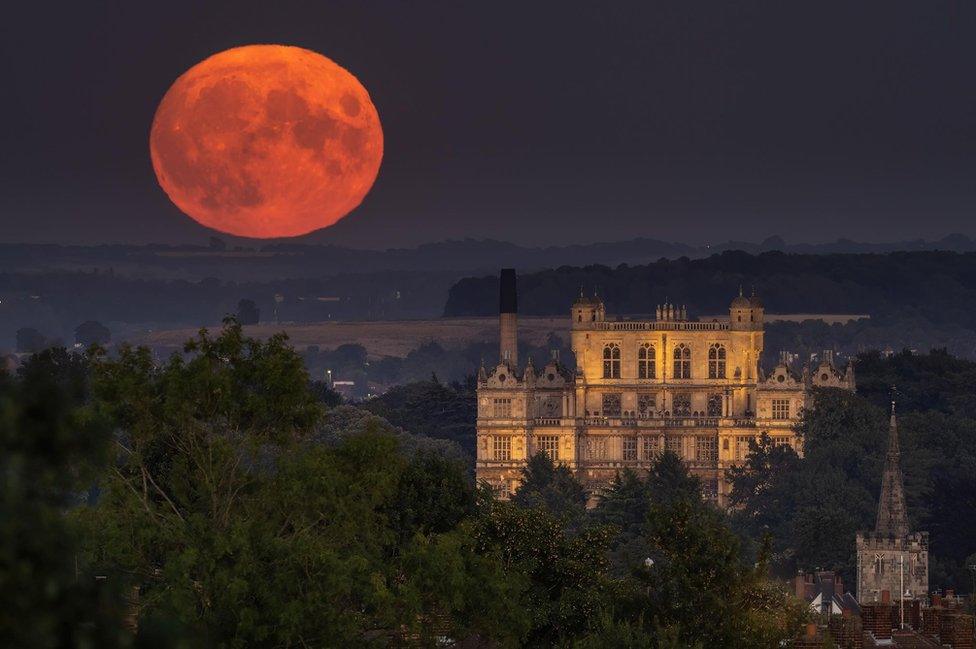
639	386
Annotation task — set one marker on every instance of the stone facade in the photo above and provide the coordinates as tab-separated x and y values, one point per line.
891	558
641	386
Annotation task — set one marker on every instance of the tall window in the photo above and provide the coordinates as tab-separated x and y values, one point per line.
706	448
646	405
742	446
714	408
646	358
630	449
503	448
716	361
673	443
596	449
650	447
611	404
781	408
549	444
503	408
682	362
611	361
681	405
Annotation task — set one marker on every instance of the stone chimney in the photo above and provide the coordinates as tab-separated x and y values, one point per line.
508	318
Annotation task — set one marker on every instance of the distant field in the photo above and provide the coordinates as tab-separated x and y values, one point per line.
381	338
398	337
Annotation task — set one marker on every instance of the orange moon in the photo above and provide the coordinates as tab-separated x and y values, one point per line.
266	141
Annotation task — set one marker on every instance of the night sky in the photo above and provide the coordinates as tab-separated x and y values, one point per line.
530	122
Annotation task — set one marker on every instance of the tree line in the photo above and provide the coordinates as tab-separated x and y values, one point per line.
215	500
915	299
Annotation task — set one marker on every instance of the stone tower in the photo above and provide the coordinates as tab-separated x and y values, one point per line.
891	558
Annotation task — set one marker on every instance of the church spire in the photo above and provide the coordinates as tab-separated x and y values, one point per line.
892	512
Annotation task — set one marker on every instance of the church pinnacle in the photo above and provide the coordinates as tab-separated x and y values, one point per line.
892	512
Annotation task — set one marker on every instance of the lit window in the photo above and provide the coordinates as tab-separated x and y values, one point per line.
673	443
706	448
646	357
714	408
682	362
503	448
596	449
681	405
716	361
503	408
549	444
742	447
611	404
646	405
611	361
781	408
649	448
630	449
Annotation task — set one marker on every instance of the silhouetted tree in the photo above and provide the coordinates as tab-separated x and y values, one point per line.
552	488
92	332
248	312
30	340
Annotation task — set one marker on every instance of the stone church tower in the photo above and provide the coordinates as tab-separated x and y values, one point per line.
891	558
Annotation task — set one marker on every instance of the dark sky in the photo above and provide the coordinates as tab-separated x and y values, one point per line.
527	121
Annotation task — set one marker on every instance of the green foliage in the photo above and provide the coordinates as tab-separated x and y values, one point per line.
432	409
233	510
690	587
50	448
627	503
565	573
243	515
550	488
814	506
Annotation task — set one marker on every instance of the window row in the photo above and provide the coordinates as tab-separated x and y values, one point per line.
681	361
699	448
647	407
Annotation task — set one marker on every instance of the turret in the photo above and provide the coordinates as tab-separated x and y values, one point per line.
587	310
746	313
508	318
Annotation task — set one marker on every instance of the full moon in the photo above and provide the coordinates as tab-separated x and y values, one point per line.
266	141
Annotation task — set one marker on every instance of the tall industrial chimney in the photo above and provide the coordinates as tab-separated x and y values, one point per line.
508	317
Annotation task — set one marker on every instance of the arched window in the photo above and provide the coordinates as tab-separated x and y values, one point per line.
682	362
716	361
611	361
646	358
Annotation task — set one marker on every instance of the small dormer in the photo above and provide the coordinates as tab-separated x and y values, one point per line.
827	375
781	377
503	377
553	376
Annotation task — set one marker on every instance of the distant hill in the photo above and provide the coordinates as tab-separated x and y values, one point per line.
915	299
291	260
